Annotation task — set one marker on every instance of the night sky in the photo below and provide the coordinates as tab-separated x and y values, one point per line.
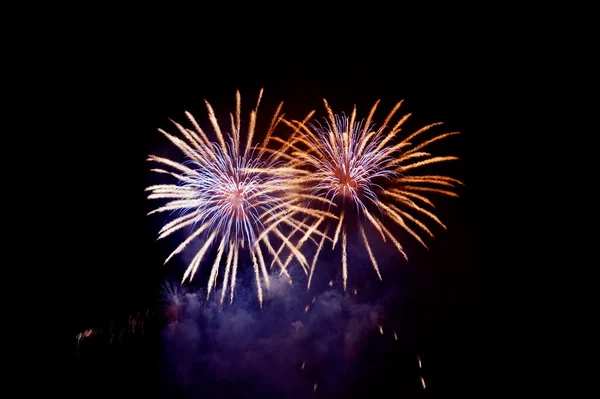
131	81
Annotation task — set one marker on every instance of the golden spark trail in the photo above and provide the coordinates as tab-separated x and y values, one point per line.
226	277
344	262
234	272
314	262
373	261
303	240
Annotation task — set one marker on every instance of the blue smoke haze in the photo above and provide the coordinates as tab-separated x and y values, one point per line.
298	339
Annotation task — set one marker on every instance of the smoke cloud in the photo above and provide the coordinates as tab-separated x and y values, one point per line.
300	343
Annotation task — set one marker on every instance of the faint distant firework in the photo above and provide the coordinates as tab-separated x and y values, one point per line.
115	330
172	293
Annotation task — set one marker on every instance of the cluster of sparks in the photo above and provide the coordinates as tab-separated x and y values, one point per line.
354	164
172	293
274	200
134	325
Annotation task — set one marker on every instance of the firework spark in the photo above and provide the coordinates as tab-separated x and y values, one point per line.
352	164
232	194
172	293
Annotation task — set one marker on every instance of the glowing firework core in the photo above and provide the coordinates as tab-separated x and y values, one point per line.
236	198
346	184
237	201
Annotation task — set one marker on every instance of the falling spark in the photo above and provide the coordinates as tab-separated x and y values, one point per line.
355	291
315	387
314	299
395	336
352	164
306	308
331	283
232	195
303	364
419	359
423	383
381	330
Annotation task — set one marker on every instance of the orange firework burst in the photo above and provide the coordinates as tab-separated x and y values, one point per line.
349	163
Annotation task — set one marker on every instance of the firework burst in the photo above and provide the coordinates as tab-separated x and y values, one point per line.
172	293
354	165
232	194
